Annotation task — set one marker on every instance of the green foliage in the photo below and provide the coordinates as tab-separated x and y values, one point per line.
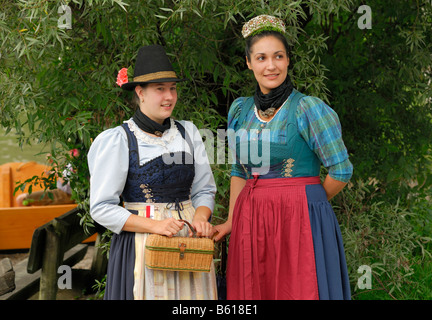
382	235
380	87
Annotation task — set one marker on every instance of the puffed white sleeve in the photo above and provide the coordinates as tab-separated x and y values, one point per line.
108	160
203	189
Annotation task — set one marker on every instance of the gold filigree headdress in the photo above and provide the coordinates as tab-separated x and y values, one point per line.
262	23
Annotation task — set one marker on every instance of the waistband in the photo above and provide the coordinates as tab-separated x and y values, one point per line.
135	207
281	182
157	205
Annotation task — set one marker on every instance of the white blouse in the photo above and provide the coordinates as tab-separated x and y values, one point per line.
108	160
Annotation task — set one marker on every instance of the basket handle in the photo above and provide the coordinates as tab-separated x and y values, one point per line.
190	227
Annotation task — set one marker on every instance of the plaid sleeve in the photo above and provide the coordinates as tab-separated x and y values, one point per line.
319	125
233	115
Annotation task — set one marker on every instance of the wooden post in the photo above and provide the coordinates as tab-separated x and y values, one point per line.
7	276
52	259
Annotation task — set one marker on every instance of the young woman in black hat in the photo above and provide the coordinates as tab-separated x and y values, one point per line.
159	168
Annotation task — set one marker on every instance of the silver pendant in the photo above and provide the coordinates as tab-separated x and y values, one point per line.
268	113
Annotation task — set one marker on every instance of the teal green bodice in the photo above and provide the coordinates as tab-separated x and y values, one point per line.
273	149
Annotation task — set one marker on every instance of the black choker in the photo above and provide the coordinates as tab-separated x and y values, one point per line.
267	104
148	125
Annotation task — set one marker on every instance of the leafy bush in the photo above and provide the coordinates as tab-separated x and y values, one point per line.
383	236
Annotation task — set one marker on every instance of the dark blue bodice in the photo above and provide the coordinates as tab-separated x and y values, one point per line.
165	179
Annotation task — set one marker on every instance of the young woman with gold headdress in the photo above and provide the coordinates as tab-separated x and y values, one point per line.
285	240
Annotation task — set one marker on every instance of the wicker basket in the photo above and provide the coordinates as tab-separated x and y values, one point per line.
190	254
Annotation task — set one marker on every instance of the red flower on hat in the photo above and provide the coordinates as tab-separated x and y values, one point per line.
122	77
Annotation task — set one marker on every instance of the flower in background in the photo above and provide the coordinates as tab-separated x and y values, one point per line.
122	77
74	153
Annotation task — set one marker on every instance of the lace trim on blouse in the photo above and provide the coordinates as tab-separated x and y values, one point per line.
267	121
167	137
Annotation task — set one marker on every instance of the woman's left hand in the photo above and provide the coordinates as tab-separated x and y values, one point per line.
201	224
203	228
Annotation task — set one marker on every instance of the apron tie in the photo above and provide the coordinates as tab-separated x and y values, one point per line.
177	206
254	182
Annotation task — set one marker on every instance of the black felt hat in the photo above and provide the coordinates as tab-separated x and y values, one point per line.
152	66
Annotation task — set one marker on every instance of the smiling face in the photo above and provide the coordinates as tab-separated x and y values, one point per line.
269	62
157	100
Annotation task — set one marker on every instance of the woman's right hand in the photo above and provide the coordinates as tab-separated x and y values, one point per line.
223	230
167	227
237	185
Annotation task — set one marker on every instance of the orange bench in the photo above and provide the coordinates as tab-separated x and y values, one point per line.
17	224
13	172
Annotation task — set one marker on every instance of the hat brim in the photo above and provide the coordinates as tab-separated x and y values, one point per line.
131	85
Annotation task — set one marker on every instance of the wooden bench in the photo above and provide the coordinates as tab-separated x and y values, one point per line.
17	224
49	244
13	172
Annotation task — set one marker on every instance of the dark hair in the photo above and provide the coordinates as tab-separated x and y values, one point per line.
135	99
250	41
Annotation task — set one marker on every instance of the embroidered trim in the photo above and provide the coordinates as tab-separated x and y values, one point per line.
287	167
148	193
167	137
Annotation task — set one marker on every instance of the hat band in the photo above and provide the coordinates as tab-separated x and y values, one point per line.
155	76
